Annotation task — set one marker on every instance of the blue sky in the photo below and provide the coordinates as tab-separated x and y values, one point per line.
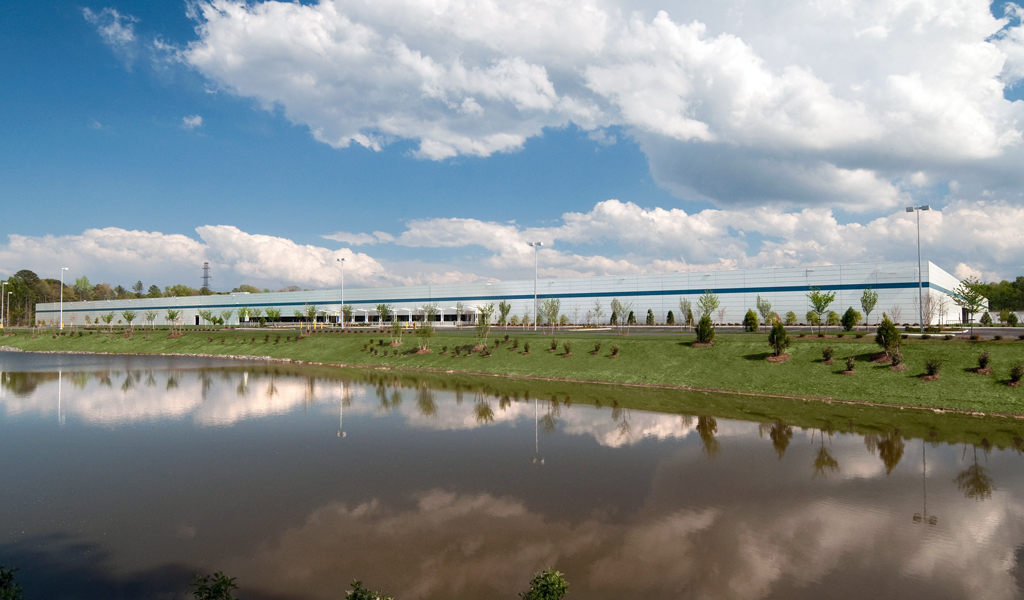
140	139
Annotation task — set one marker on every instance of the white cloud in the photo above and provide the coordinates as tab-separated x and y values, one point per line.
832	104
117	31
359	239
191	122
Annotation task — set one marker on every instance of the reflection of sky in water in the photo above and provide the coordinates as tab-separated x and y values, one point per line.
437	494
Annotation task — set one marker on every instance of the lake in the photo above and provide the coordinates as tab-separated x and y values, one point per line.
120	477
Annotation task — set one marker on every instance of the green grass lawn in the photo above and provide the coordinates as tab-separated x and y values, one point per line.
735	363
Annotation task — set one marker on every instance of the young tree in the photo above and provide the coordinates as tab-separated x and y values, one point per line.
172	317
242	313
383	312
273	314
764	307
708	303
459	309
129	316
750	320
851	319
225	315
778	338
311	312
812	318
546	585
721	316
151	316
426	332
650	317
107	318
894	313
83	289
670	318
868	300
791	318
968	296
832	319
154	292
820	302
206	315
887	336
483	322
549	309
685	312
346	313
137	288
504	307
598	312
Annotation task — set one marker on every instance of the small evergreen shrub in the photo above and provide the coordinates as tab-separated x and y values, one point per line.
750	320
650	317
983	360
444	349
670	319
597	347
567	347
506	337
515	343
778	339
615	350
554	345
839	335
997	337
948	337
850	319
705	330
1017	372
896	358
932	366
1012	320
458	350
631	320
925	336
986	319
975	337
526	347
827	352
850	363
1019	337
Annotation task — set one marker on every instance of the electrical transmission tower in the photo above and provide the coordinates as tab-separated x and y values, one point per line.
206	275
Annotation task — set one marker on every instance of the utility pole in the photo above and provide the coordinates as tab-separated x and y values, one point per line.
206	275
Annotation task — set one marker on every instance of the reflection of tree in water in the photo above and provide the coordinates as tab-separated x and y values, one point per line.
425	401
890	448
482	409
458	396
621	417
504	402
974	481
824	460
207	384
104	378
389	402
549	422
128	384
79	380
150	380
172	381
779	433
25	384
707	427
271	388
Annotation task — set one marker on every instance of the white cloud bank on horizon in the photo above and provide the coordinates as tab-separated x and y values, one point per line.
851	106
613	238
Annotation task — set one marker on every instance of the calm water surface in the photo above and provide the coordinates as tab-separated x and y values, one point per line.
120	477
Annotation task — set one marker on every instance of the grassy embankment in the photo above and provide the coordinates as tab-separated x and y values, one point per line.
735	363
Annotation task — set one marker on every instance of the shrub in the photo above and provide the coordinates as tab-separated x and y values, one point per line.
458	350
851	318
983	360
1019	337
360	593
526	347
932	366
925	336
791	318
948	337
1017	372
778	339
1012	319
850	363
670	319
567	347
212	587
896	358
506	337
631	320
615	350
839	335
554	345
546	585
515	343
497	343
444	349
904	336
705	330
986	319
8	589
827	352
750	320
997	337
975	337
650	317
597	347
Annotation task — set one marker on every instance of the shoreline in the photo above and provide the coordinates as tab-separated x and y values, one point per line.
518	376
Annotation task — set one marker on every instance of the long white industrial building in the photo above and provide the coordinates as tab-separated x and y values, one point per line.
786	288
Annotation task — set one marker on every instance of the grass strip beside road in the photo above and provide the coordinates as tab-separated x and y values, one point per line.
735	363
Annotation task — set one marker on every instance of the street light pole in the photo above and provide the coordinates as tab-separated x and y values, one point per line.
8	320
920	274
3	284
536	247
62	269
342	261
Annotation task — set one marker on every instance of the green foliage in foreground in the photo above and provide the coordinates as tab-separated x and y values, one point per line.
546	585
358	592
213	587
8	589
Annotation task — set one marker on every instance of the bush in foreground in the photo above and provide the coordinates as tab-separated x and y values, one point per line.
778	338
1017	372
887	336
750	320
546	585
932	366
705	330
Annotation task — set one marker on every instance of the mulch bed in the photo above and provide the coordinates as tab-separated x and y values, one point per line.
702	345
830	361
929	378
423	351
881	358
850	372
779	359
985	371
478	348
1013	383
900	367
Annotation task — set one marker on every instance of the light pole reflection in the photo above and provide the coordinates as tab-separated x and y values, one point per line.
537	458
923	516
60	412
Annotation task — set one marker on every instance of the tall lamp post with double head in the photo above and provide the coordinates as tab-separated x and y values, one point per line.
920	276
342	261
536	247
2	298
62	269
8	320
